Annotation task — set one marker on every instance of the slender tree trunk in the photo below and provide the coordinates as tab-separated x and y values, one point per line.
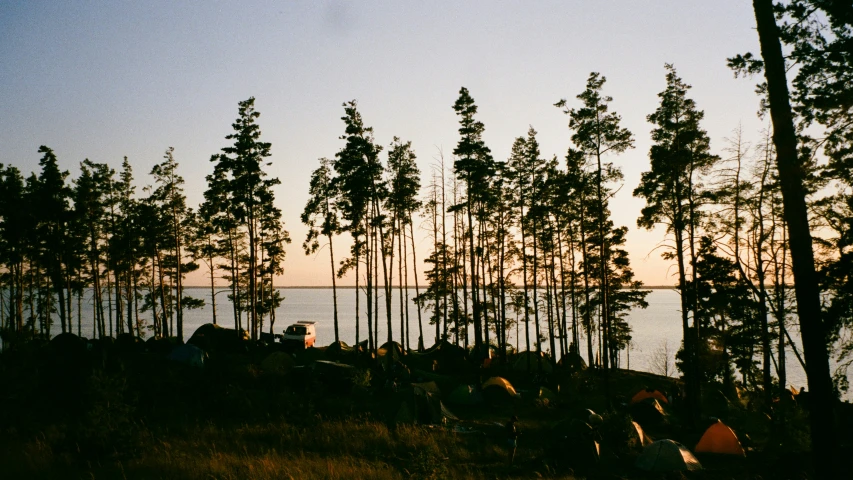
576	339
387	272
417	287
399	234
357	277
376	253
483	310
602	279
369	270
587	304
235	281
178	277
212	284
335	288
405	286
475	300
434	205
443	242
767	379
521	222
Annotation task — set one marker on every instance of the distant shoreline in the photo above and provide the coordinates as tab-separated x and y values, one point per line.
352	287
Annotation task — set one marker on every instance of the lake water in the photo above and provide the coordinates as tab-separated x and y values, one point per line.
653	327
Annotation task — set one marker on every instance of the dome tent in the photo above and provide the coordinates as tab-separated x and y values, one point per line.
278	362
639	436
498	389
720	439
465	395
523	359
649	393
419	405
573	362
667	456
189	354
649	412
215	339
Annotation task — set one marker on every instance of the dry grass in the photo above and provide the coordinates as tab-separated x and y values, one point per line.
348	449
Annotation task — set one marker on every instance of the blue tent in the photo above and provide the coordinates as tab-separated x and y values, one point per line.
189	354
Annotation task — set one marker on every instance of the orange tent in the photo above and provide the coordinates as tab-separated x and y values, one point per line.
720	439
644	394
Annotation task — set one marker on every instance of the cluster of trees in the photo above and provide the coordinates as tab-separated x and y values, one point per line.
492	223
818	35
60	238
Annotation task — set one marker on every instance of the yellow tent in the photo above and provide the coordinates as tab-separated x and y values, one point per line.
720	439
500	382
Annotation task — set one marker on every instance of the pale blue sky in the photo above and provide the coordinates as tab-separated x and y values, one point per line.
102	80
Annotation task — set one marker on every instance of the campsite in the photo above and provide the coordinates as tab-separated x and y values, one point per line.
222	406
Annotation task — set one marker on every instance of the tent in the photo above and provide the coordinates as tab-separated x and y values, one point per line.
189	354
129	343
546	393
67	345
573	362
649	393
465	395
309	355
390	348
720	439
215	339
158	345
574	444
429	387
649	412
278	362
522	359
497	389
637	436
667	456
419	406
441	357
501	384
339	350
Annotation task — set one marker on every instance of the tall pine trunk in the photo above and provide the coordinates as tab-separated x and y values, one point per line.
791	176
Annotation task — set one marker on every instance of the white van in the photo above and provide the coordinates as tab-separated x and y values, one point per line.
301	334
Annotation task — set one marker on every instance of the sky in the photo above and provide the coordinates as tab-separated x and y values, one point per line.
105	80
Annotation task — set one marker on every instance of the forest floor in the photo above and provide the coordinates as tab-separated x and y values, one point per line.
137	415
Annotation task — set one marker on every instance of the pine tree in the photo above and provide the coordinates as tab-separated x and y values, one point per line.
681	151
473	167
244	189
322	218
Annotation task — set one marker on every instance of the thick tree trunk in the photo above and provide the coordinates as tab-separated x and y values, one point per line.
791	175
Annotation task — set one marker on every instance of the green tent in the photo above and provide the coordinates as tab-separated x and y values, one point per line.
546	393
573	362
521	362
278	362
419	406
465	395
429	387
